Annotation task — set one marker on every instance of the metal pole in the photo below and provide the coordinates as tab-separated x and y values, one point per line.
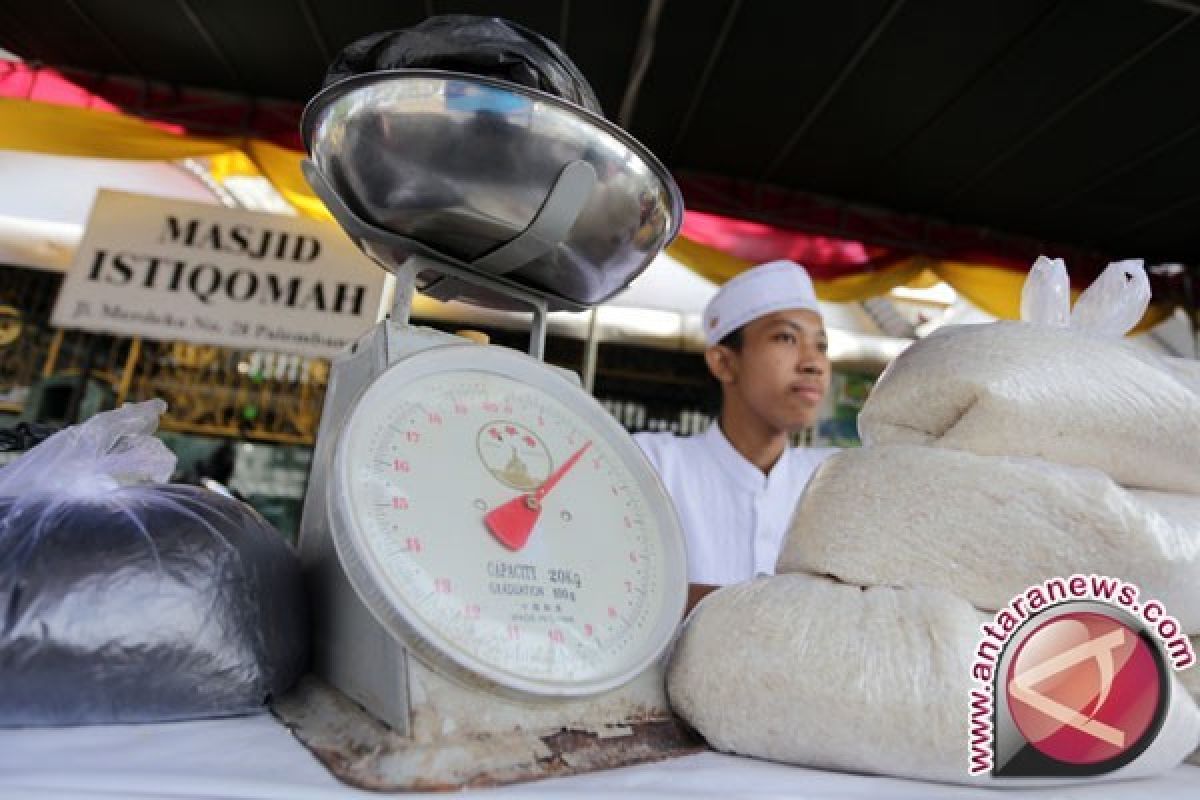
537	336
79	393
406	289
131	361
591	352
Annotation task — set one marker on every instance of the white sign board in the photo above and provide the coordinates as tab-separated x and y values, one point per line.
172	270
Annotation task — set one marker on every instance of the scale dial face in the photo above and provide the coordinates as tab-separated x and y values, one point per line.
500	523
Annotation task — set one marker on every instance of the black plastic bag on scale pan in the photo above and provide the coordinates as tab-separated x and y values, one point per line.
489	46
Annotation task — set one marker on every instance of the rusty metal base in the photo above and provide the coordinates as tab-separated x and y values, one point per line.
363	752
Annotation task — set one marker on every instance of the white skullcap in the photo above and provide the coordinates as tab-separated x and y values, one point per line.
770	287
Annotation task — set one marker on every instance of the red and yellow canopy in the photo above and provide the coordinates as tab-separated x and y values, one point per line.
43	112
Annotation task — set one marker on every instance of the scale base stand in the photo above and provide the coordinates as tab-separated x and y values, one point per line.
363	752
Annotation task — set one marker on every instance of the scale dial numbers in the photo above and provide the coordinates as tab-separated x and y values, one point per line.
578	603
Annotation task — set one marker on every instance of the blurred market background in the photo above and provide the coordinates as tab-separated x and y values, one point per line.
915	156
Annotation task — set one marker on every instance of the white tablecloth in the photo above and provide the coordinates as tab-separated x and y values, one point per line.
256	757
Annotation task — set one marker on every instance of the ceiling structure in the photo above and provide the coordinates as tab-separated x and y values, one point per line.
1021	124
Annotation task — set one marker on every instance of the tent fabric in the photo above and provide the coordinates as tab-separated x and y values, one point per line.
757	242
715	247
281	167
994	289
168	107
719	266
84	132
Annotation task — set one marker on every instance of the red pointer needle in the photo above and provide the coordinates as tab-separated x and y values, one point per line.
513	522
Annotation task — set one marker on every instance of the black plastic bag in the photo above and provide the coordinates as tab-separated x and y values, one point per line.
124	599
487	46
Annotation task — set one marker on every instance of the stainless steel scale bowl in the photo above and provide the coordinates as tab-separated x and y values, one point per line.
458	167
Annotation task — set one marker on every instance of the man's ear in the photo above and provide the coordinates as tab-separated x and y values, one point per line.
722	363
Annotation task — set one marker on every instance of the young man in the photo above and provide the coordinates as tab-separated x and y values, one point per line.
735	486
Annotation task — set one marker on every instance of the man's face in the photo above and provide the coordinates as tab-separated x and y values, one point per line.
781	372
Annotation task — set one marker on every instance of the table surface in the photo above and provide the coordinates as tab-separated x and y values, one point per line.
256	757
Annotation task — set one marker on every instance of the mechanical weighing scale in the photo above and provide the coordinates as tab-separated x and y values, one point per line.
495	569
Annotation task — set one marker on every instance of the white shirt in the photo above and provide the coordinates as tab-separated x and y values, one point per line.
734	517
